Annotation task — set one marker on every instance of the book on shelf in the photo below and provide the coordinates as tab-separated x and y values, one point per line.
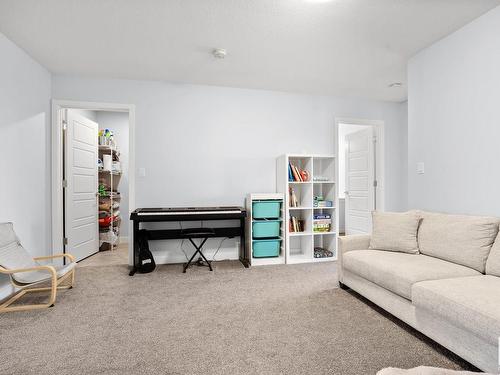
295	174
296	225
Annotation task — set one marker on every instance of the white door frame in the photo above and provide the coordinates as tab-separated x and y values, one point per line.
379	131
57	161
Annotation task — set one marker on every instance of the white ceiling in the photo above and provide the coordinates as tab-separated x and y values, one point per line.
337	47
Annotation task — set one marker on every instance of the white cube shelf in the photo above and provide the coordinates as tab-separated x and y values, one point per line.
299	246
254	261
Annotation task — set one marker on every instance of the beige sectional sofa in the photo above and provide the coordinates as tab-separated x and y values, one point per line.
448	289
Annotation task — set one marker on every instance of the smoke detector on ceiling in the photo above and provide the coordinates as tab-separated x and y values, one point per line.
219	53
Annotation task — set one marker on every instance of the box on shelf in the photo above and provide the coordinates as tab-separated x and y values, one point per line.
266	228
319	201
266	248
266	209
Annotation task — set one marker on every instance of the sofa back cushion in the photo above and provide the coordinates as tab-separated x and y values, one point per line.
395	231
460	239
493	262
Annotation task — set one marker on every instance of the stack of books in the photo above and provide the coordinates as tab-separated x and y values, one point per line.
296	225
319	201
293	199
322	222
296	174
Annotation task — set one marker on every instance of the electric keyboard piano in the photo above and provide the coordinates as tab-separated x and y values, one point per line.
168	214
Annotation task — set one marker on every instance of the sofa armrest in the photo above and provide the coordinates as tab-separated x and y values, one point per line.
354	242
350	243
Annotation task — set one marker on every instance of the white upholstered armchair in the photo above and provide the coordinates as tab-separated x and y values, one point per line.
27	275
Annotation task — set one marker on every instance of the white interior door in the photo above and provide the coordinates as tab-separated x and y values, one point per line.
360	177
81	226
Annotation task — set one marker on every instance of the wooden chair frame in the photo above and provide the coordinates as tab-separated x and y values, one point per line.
55	284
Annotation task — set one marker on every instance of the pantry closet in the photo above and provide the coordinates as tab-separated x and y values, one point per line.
95	181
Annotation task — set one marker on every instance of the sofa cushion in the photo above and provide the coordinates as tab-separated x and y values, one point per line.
397	272
395	231
470	302
493	262
460	239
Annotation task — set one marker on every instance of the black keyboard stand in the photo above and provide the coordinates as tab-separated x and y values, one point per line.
149	215
198	232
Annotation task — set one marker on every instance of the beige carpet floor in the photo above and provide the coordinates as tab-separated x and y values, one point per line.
263	320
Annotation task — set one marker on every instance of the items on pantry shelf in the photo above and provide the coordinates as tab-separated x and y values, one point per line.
319	201
297	174
295	224
293	198
109	207
322	222
107	162
320	252
106	137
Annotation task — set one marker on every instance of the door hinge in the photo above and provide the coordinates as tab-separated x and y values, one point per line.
65	184
65	124
65	241
375	183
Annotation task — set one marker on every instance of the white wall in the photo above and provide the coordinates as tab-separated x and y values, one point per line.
205	145
25	89
454	104
118	122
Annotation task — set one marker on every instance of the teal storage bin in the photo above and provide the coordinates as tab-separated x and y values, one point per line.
266	248
266	209
266	228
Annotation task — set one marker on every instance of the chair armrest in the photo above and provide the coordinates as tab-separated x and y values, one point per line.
350	243
69	256
50	269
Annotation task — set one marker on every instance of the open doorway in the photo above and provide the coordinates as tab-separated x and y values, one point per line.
361	174
92	183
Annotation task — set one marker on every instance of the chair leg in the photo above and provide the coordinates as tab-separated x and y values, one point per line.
5	307
72	278
69	276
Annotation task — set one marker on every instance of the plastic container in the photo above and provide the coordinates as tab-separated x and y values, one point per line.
266	248
266	228
266	209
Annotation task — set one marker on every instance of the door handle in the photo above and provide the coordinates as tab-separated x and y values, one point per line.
346	192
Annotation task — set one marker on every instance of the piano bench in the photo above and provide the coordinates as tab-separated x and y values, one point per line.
198	233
